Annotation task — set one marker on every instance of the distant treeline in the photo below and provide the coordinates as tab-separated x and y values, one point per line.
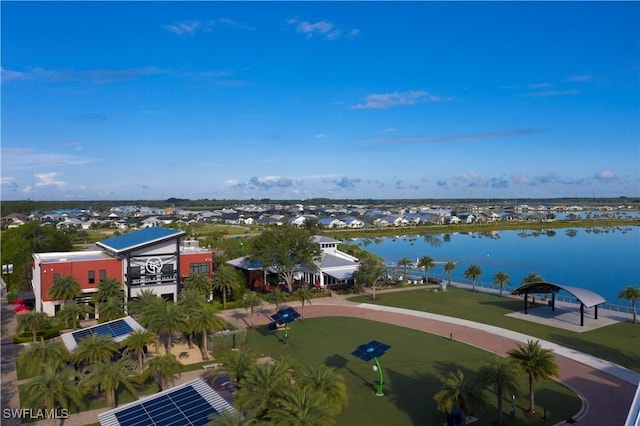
28	206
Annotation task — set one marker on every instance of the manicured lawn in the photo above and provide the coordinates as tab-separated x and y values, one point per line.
412	371
617	343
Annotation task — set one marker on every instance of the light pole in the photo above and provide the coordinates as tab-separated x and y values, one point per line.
513	406
7	270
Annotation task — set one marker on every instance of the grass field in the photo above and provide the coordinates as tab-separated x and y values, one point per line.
617	343
412	370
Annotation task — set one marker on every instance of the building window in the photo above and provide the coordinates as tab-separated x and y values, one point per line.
134	272
167	269
103	274
92	277
199	268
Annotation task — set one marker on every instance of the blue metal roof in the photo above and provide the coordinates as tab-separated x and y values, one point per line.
140	238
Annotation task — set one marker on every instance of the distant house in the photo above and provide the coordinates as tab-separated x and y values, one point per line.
331	222
352	222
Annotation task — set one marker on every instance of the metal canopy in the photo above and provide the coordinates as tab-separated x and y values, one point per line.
285	316
587	297
370	350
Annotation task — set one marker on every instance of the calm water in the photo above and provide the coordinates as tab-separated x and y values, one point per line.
603	260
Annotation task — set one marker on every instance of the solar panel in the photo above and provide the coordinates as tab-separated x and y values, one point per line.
112	329
370	350
284	316
184	406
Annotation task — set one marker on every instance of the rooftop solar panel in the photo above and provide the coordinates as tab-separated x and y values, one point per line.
284	316
370	350
115	328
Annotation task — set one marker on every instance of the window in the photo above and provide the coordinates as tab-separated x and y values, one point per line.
199	268
134	272
167	269
92	277
103	274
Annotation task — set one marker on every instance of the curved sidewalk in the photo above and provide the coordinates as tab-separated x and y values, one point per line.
607	389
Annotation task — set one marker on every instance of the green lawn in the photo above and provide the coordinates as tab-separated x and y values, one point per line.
617	343
412	371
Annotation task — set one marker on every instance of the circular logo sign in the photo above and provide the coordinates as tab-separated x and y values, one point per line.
154	265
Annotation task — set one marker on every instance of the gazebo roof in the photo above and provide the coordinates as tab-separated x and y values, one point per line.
587	297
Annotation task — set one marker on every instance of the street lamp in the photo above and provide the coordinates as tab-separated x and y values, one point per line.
7	270
513	406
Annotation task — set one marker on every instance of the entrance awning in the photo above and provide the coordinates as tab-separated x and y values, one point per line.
342	274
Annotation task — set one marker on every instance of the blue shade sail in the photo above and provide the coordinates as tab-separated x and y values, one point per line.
370	350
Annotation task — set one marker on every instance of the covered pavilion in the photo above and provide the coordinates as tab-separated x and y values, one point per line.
586	297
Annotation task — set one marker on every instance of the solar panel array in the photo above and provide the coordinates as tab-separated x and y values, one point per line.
113	329
284	316
370	350
183	407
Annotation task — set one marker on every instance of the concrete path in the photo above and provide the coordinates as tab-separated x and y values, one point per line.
607	389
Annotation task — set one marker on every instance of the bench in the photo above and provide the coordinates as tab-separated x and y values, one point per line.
183	355
214	365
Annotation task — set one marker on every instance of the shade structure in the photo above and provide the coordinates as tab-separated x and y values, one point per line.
285	316
371	350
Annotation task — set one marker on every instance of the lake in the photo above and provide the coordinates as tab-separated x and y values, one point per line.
601	259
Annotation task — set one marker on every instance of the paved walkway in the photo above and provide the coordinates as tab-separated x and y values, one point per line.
607	389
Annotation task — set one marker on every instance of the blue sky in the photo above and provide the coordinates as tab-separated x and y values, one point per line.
295	100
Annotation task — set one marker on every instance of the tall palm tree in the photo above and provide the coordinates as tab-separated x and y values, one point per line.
204	321
94	348
200	283
500	376
303	294
532	278
112	375
53	387
632	294
448	268
427	263
263	383
404	263
33	321
538	363
501	279
251	301
457	391
301	406
39	354
237	363
277	296
143	305
165	368
232	418
226	279
136	342
111	309
473	272
169	318
73	312
328	383
191	300
108	288
64	287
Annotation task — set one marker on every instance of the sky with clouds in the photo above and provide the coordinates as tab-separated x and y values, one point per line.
296	100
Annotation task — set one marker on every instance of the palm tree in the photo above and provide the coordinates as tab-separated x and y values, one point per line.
53	387
108	288
532	278
501	279
250	301
225	279
457	391
165	368
277	296
232	418
111	309
38	354
191	301
301	406
200	283
136	342
64	287
263	383
237	363
73	312
303	294
169	318
328	383
501	377
33	321
538	363
427	263
143	305
448	268
111	375
473	272
632	294
404	263
94	348
204	321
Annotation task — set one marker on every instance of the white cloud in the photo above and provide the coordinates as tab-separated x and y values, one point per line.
325	29
386	100
189	27
606	176
555	93
579	78
47	179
